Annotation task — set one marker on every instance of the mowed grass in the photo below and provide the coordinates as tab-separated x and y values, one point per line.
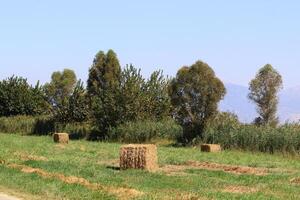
96	162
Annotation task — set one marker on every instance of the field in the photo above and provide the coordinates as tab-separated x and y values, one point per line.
36	168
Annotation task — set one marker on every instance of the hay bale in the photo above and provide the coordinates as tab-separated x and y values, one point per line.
139	156
61	138
210	148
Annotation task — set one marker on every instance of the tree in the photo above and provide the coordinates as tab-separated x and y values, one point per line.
104	74
132	95
142	99
264	90
103	88
195	93
58	92
17	97
158	103
78	110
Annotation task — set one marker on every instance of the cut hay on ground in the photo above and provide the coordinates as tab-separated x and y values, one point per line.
139	156
62	138
120	192
26	157
240	190
175	169
295	181
210	148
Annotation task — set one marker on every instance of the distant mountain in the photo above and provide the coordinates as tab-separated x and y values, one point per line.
289	105
236	101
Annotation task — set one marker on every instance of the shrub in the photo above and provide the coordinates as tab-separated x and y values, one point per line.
17	97
146	131
26	125
285	138
42	125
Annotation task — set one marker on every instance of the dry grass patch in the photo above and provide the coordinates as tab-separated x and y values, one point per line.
110	163
229	168
173	169
239	190
295	181
121	193
26	157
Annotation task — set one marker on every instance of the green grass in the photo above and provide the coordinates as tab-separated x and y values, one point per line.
92	161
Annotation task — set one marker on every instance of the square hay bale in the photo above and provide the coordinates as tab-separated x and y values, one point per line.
139	156
61	138
210	148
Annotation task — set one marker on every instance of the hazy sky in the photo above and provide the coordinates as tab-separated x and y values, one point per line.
235	38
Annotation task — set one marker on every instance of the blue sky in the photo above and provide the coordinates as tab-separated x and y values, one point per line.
235	38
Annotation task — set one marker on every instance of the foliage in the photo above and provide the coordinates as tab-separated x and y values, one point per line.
103	89
42	125
58	92
132	95
195	93
146	131
26	125
104	74
158	102
264	92
285	138
67	97
143	99
78	104
17	97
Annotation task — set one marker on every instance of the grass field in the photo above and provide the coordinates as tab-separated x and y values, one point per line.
36	168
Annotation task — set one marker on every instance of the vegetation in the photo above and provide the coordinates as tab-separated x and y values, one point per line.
141	99
195	94
121	105
264	92
43	125
232	135
103	89
17	97
95	162
146	131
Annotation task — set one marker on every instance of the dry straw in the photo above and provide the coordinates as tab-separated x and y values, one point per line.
139	156
61	138
210	148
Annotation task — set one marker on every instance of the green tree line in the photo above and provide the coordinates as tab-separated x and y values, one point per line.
115	97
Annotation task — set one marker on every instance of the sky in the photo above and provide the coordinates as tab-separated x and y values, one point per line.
236	38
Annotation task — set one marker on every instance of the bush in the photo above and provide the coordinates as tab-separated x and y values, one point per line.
42	125
285	138
26	125
146	131
17	97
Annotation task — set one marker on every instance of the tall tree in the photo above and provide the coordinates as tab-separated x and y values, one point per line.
103	88
195	93
58	92
104	74
264	90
